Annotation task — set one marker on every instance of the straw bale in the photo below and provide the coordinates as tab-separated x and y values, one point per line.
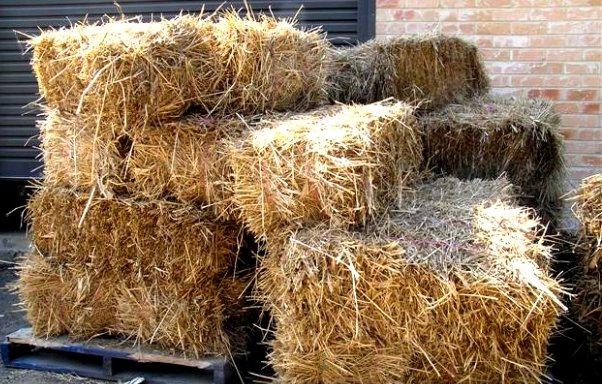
453	287
125	73
187	159
75	156
588	208
429	68
131	237
65	298
489	136
337	163
206	318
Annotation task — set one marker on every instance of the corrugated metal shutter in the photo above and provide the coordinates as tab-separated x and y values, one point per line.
346	22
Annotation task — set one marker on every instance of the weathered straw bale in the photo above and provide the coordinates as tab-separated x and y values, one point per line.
338	163
125	73
453	287
588	208
428	68
489	136
131	237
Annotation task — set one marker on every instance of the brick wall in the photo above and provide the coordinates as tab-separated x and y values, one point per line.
535	48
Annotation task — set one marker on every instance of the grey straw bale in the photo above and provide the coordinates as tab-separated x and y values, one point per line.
493	135
428	69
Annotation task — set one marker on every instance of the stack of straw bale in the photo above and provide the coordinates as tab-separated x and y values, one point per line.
428	69
338	164
588	303
452	287
140	119
154	271
489	136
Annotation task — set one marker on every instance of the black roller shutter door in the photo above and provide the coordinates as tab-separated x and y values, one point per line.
345	21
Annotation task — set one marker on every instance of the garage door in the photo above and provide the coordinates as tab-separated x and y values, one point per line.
346	22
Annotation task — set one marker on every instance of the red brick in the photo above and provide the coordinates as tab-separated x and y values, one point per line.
418	27
421	3
456	3
581	121
567	107
529	54
593	160
576	13
562	81
582	68
500	81
528	81
583	147
493	28
495	54
592	108
589	134
494	3
513	14
525	28
582	94
510	41
387	3
568	133
547	41
547	14
583	40
455	28
592	55
577	27
565	54
551	94
402	14
591	81
410	14
534	68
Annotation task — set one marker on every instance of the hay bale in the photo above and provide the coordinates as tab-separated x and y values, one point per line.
128	73
77	156
452	287
202	319
338	163
428	68
588	208
588	290
489	136
131	237
65	298
185	159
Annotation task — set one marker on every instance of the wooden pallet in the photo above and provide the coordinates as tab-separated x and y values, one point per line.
109	360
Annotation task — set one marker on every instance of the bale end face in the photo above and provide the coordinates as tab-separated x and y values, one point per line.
339	163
